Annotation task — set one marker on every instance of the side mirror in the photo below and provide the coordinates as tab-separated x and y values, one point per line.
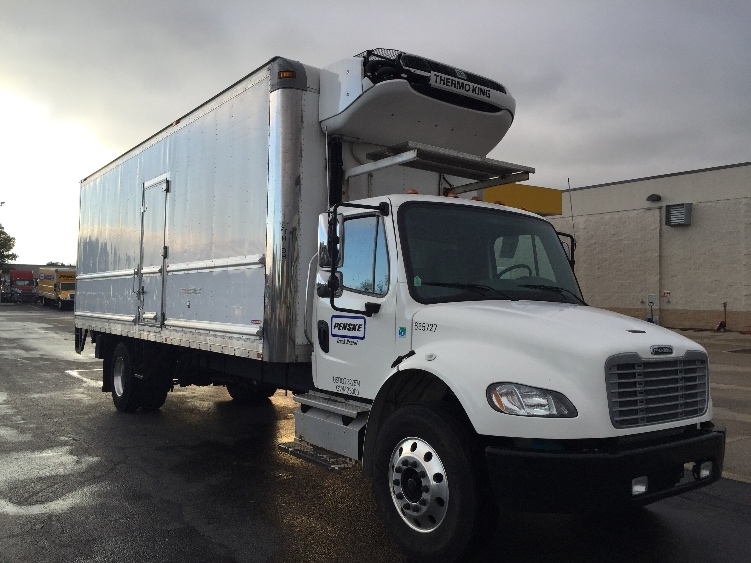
567	249
326	246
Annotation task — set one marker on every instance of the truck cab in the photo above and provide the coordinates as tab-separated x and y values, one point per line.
460	329
22	288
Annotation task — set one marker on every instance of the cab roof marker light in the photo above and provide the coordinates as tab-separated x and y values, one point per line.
287	74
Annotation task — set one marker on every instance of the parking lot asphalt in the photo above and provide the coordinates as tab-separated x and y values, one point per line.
202	479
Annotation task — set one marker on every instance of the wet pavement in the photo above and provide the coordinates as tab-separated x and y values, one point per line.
202	479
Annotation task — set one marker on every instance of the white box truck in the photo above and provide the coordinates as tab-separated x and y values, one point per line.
271	239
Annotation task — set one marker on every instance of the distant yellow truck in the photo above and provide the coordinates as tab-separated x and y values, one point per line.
57	285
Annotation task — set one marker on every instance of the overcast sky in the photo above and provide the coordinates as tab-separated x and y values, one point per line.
606	90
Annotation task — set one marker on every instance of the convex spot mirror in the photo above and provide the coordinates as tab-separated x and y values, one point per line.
326	285
326	247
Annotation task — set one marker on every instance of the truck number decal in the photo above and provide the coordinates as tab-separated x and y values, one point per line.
426	327
347	327
346	385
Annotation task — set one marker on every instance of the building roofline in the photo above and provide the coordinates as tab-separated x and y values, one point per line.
660	176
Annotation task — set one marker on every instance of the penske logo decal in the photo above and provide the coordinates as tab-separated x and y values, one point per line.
348	327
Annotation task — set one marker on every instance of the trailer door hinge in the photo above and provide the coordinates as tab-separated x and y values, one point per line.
165	251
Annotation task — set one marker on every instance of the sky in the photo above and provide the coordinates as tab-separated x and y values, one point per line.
605	90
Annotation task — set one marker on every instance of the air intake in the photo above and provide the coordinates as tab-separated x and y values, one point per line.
678	215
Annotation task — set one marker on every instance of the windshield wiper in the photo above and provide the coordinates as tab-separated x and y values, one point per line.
555	289
478	287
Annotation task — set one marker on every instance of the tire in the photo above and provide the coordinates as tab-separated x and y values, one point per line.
442	510
155	396
252	392
44	302
126	388
59	305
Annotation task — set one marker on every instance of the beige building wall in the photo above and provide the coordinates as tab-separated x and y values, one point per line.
626	252
617	258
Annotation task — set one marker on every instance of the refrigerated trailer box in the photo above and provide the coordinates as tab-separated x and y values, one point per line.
292	233
57	286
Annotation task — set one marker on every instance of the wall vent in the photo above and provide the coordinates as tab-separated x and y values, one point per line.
678	215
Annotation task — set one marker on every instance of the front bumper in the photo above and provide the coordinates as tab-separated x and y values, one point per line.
552	481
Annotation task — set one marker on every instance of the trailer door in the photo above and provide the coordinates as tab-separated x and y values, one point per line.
153	252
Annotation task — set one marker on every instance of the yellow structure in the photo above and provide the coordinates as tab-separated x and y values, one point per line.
543	201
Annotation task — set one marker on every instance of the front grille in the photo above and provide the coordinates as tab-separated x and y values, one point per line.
644	392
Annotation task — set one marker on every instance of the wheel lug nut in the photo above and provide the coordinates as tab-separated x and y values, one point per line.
423	502
397	482
406	506
405	463
399	469
423	475
415	508
425	488
414	465
399	496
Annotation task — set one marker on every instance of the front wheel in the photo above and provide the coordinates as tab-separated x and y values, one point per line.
427	485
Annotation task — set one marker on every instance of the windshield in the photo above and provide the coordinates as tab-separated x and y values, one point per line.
64	286
468	253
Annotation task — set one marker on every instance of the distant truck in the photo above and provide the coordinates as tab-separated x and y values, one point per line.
57	286
4	287
271	239
22	289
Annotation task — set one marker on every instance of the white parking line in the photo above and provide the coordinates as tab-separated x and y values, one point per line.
77	374
85	496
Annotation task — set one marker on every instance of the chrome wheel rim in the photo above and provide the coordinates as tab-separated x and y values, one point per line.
118	376
419	485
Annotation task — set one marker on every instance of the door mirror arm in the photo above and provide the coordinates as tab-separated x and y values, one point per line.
571	258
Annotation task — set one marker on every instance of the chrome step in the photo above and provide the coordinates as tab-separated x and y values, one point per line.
332	403
308	452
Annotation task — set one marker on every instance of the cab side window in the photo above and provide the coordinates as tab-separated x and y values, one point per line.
365	265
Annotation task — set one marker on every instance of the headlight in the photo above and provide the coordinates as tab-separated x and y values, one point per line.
520	400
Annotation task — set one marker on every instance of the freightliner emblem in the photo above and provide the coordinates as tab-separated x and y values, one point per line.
661	350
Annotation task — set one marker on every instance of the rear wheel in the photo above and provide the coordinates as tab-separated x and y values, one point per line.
155	390
126	388
427	486
251	392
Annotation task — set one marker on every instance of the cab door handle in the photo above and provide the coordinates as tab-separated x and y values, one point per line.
323	336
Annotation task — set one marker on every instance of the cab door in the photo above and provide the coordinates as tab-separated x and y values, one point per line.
354	351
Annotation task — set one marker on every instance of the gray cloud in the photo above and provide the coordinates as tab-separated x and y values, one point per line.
605	91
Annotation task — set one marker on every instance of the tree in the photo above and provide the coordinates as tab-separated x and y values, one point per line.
60	264
7	243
